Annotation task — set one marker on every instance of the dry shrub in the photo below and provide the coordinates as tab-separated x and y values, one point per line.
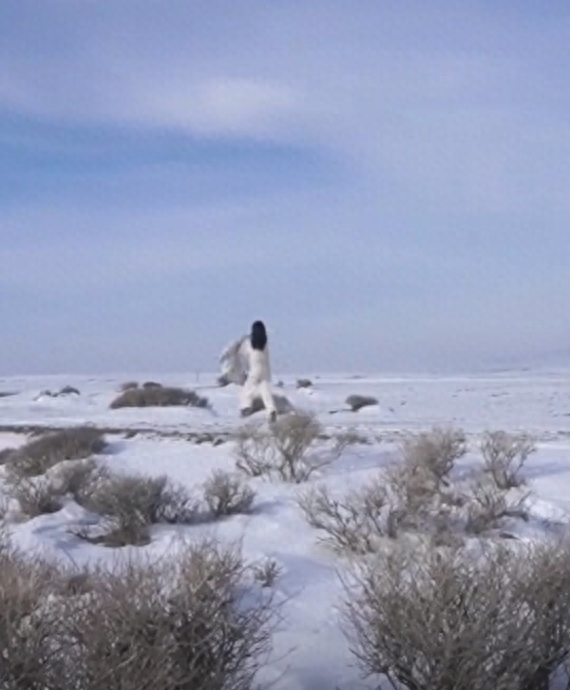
442	619
159	396
227	494
45	494
436	451
304	383
197	624
357	402
283	450
354	524
68	390
79	478
504	456
31	647
37	456
418	494
267	572
488	505
35	495
130	504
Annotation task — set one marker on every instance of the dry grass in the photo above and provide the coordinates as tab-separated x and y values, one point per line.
282	452
39	455
227	494
504	456
436	620
159	396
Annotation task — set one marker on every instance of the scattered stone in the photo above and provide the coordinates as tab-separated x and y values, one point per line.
357	402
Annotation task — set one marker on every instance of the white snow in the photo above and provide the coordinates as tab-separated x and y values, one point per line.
310	651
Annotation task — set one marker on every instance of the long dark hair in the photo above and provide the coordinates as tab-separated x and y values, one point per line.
258	336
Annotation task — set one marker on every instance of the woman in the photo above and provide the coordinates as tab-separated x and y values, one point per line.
246	362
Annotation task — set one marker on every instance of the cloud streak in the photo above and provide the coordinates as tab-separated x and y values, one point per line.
336	168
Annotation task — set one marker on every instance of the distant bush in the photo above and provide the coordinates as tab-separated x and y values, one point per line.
304	383
433	619
160	396
357	402
128	386
66	390
152	384
37	456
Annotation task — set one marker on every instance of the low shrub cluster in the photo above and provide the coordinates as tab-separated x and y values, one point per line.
420	494
200	623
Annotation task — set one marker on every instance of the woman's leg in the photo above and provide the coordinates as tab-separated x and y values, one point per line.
246	398
268	401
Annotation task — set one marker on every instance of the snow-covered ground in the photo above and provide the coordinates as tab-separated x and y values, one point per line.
310	651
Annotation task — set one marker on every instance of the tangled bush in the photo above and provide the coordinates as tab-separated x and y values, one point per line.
158	396
283	450
31	645
441	619
227	494
354	524
46	493
416	494
488	505
130	504
504	456
196	623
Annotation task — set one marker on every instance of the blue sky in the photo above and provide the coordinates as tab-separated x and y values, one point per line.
385	183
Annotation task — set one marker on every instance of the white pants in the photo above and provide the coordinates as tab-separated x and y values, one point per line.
253	388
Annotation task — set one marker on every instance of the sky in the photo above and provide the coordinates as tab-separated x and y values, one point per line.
386	183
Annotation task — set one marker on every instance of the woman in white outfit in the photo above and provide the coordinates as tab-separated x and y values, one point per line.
250	354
